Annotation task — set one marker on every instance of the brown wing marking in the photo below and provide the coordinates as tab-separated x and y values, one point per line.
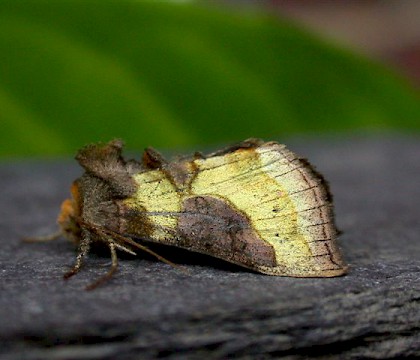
180	173
211	225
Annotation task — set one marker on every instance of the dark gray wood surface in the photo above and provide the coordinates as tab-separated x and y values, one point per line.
151	310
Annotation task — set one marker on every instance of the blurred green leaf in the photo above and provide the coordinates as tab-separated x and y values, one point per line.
169	75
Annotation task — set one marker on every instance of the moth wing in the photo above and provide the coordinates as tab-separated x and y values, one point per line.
261	207
286	205
152	212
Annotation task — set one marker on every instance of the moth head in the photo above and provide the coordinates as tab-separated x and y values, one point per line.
70	212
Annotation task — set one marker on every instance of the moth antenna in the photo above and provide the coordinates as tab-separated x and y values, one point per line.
45	238
111	271
110	236
144	248
125	249
103	233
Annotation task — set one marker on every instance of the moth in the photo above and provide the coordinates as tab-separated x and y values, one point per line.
255	204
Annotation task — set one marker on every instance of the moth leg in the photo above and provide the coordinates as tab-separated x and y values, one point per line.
84	248
129	241
112	270
45	238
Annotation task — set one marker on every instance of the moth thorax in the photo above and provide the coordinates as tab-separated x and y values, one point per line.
70	210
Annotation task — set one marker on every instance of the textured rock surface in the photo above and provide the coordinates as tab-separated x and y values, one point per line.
152	310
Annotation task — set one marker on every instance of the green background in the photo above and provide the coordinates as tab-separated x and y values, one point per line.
178	75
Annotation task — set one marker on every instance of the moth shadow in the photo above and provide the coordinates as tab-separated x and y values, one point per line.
176	255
